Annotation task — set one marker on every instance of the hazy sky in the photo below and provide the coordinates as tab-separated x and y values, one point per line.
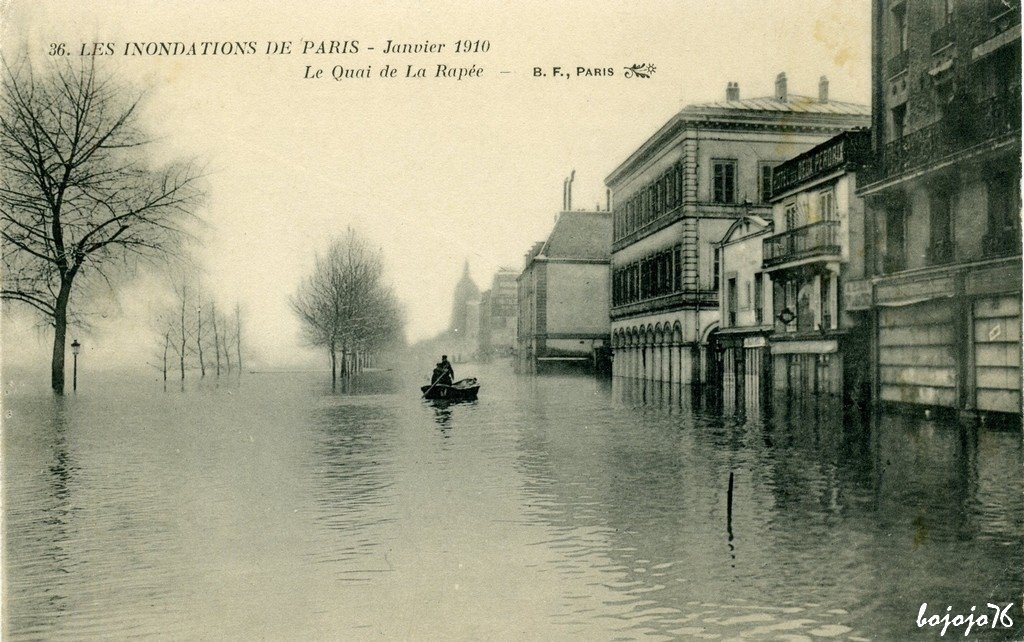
436	171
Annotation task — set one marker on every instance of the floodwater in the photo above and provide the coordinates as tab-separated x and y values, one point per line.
553	508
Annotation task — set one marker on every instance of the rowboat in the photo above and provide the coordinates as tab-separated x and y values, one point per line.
462	390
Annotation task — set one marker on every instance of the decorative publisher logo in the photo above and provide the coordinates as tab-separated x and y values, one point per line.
640	70
1000	618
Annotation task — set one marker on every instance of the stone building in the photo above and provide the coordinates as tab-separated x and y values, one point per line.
562	295
498	315
745	297
815	344
464	325
943	243
676	196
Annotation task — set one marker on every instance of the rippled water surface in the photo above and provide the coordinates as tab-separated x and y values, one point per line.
552	508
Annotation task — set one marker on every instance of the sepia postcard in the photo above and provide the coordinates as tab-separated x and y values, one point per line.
452	320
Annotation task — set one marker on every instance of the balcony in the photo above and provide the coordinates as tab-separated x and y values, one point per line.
942	37
687	299
898	63
816	239
971	124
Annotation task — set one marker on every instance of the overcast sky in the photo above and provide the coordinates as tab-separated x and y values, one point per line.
434	171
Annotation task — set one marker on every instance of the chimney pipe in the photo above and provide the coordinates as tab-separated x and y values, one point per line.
572	177
780	86
608	199
732	91
565	192
823	89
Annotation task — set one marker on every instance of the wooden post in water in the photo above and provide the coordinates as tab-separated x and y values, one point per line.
728	509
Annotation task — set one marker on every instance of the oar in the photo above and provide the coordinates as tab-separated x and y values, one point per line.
427	391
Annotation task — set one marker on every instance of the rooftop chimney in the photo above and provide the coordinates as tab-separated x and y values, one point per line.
732	91
780	86
568	203
823	90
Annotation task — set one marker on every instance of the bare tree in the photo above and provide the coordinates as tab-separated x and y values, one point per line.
344	302
183	330
224	342
238	336
78	197
199	339
216	336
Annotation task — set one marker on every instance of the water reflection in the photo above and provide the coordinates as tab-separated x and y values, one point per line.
827	506
350	454
560	507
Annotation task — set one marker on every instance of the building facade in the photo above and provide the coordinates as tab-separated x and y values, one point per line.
816	346
498	315
464	326
562	296
745	297
943	205
676	196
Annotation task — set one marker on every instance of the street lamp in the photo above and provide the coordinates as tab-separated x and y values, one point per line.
75	347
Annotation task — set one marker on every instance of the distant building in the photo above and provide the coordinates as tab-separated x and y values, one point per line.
745	296
562	295
943	246
676	196
816	213
464	326
498	315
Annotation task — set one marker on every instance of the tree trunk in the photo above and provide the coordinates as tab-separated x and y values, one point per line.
216	337
184	344
227	354
334	369
238	336
60	330
199	341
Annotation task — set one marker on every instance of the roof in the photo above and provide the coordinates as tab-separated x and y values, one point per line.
580	235
793	104
796	113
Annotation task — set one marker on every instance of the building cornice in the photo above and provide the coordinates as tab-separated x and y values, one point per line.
721	120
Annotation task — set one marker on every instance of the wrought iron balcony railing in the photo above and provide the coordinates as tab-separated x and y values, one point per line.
969	125
942	36
685	299
816	239
898	63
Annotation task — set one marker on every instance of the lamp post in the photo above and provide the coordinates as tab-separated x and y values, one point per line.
75	347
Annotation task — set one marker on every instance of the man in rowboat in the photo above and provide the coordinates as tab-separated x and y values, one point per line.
447	372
